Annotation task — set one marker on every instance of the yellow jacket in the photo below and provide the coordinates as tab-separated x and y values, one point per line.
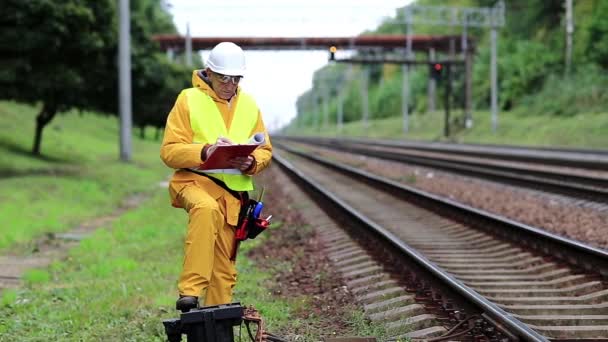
177	150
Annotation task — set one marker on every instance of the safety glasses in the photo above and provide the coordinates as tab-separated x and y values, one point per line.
226	79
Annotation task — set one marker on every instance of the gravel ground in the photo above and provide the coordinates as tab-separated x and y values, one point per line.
303	274
554	213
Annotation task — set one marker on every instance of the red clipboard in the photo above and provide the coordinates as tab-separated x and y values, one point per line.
220	156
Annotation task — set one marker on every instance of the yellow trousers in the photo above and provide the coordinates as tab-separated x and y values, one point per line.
207	270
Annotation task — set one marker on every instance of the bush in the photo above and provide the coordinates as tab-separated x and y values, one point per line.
583	92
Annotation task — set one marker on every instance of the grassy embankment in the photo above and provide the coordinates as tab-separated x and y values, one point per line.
79	175
119	283
514	128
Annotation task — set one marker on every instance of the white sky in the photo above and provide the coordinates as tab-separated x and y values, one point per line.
277	78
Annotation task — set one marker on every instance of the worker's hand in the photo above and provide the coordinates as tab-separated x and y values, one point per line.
221	141
241	163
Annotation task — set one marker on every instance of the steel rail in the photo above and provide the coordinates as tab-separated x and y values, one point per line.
570	251
513	326
594	188
588	158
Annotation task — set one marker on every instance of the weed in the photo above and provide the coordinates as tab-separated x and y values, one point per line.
8	297
36	276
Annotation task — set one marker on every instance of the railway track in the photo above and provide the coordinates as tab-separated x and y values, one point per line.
584	176
595	159
423	265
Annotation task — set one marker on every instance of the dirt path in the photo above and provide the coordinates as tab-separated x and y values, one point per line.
54	246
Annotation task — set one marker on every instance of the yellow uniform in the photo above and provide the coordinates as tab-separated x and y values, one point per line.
213	211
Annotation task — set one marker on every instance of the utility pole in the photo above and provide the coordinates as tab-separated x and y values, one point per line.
447	95
341	90
365	96
124	80
468	89
569	31
405	103
325	98
188	46
349	77
468	64
340	112
494	78
315	111
431	86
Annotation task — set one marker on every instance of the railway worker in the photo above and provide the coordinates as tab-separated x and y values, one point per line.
214	112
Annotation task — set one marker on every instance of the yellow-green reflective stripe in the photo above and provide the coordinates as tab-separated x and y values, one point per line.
205	118
207	121
245	118
208	124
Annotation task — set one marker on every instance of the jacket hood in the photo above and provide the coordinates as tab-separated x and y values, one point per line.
201	80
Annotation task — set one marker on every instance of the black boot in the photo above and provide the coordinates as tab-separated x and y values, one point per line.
186	303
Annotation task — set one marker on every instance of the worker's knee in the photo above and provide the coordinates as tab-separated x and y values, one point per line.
207	212
230	279
205	207
193	198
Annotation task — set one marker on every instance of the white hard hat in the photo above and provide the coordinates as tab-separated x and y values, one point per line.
228	59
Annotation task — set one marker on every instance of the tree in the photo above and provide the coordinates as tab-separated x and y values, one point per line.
53	52
155	90
156	80
597	48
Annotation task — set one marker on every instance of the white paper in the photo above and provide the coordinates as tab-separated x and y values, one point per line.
226	171
256	139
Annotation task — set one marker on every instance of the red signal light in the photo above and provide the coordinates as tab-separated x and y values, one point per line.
435	70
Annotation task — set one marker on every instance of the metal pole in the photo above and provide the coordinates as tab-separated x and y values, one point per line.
188	46
464	42
311	107
468	118
365	96
494	78
340	111
569	31
325	97
447	95
432	85
405	108
315	110
170	54
468	89
405	97
124	77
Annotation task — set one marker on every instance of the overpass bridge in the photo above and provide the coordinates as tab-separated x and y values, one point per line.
371	49
449	43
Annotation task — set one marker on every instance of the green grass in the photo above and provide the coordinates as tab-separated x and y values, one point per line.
79	175
587	130
119	284
115	285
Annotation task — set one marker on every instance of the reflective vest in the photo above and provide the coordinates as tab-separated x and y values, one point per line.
208	124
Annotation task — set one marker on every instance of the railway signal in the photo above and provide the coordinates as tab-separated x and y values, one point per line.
436	70
332	53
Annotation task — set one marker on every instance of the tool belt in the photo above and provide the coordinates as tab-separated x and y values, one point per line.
250	223
240	195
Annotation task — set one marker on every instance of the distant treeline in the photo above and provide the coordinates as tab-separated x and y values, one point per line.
531	66
63	55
